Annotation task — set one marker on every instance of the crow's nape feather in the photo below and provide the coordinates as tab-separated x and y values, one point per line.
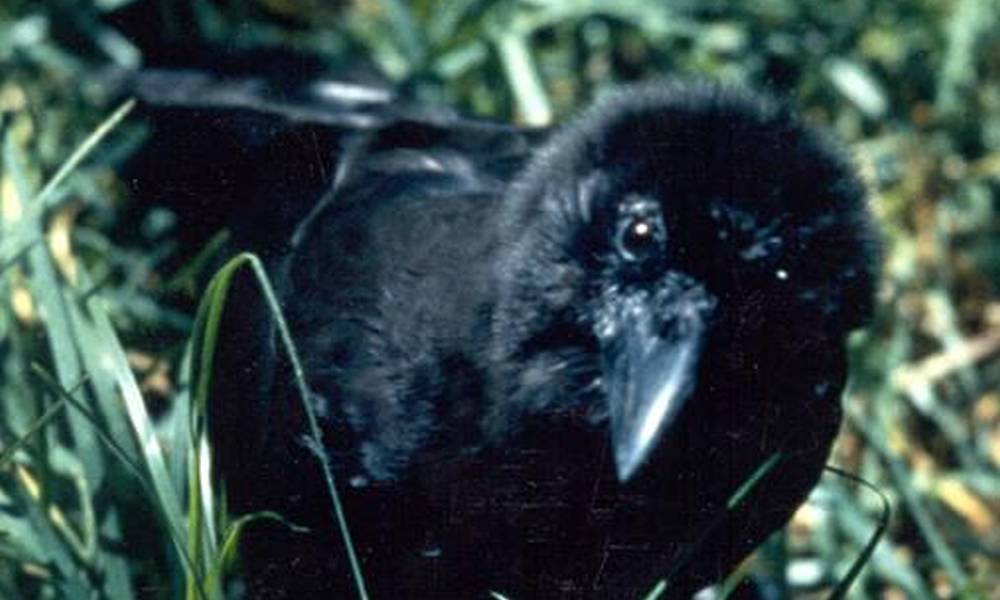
543	362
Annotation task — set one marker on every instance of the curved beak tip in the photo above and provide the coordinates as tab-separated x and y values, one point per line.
626	464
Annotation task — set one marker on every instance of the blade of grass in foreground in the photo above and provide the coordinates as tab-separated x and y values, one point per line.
734	502
46	290
82	342
845	583
7	454
204	340
121	453
81	152
106	572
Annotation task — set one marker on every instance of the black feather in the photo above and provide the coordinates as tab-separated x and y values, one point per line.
456	288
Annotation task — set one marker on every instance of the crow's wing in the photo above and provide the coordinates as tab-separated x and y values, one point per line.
240	150
295	169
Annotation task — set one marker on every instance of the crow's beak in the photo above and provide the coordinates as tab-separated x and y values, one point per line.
651	353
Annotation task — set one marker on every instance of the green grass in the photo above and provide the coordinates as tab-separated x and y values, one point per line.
104	488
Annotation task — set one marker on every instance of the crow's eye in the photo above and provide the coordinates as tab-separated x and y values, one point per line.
639	237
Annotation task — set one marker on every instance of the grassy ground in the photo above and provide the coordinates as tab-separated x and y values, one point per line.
102	490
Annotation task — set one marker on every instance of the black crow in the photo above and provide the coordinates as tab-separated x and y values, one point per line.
544	361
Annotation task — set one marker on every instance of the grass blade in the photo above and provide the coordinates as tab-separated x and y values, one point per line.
206	334
859	563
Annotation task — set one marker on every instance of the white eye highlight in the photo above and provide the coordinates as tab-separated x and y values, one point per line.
640	233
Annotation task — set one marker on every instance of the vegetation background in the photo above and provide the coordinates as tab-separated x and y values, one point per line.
104	491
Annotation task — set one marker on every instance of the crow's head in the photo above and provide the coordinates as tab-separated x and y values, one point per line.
670	224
